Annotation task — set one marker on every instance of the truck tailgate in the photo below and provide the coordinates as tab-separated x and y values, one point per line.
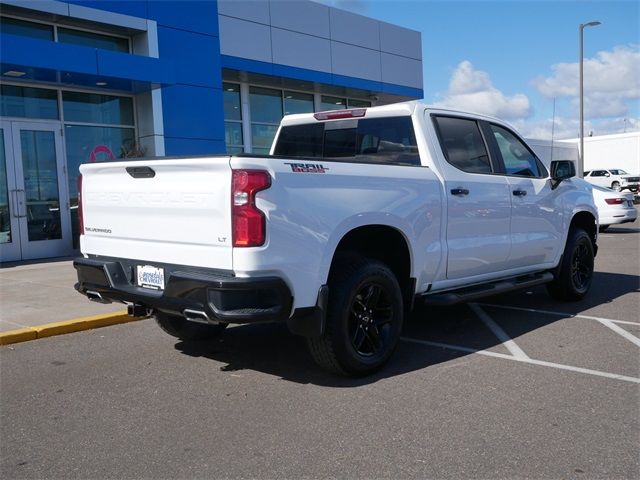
175	211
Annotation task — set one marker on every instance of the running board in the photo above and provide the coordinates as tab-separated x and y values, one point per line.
470	294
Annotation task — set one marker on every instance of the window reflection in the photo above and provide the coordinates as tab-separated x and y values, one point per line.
86	144
27	102
41	185
5	218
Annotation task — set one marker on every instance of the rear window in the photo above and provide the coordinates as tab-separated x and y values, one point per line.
389	140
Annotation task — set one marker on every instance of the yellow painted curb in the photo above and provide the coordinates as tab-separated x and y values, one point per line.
68	326
16	336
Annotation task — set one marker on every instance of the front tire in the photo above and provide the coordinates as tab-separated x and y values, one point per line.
185	330
575	273
364	318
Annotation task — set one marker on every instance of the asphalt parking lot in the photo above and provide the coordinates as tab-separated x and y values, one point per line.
517	386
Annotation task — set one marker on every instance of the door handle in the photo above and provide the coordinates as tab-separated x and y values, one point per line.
14	203
459	191
519	193
21	207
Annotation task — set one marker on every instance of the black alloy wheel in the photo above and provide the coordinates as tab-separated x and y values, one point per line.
582	266
370	319
573	277
364	317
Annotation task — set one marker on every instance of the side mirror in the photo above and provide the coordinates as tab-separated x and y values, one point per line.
561	170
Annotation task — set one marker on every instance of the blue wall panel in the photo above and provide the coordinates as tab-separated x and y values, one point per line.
187	146
196	57
193	112
192	16
135	8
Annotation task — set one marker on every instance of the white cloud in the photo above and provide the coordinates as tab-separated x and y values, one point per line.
611	82
472	90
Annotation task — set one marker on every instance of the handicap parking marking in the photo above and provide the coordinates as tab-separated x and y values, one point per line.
530	361
607	322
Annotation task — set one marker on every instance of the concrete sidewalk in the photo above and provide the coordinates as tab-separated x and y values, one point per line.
39	293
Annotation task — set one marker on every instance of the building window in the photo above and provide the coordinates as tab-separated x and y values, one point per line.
27	102
97	128
232	118
295	102
93	40
332	103
266	113
23	28
358	103
97	108
46	31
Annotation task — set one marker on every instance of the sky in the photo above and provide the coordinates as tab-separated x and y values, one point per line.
512	58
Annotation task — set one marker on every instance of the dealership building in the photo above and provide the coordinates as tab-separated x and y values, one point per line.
88	81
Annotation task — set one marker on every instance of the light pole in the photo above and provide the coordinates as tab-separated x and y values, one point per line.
581	157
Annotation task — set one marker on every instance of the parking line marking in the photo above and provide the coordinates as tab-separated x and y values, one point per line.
506	340
620	331
531	361
560	314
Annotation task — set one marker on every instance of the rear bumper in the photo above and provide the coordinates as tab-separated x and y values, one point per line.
220	295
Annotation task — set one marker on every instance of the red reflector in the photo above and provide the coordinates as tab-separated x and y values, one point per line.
335	114
248	222
614	201
80	212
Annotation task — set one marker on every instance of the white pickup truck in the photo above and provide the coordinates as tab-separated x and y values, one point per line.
354	216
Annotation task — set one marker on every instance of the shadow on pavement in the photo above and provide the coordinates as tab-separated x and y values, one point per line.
606	288
271	349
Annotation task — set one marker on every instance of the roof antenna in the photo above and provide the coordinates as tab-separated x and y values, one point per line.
553	126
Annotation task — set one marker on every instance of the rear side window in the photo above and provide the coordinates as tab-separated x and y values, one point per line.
463	145
389	140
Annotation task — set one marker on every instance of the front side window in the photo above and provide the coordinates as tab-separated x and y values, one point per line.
618	172
463	145
518	159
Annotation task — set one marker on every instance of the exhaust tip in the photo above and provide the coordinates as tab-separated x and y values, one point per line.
96	297
198	316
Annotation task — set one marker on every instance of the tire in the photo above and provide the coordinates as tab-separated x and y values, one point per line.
615	186
364	318
603	228
575	272
185	330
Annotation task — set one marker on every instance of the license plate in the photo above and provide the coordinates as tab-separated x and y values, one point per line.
151	277
630	203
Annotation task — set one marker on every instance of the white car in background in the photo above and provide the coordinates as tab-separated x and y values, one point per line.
614	178
613	207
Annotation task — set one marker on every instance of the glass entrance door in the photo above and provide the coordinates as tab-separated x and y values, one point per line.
36	194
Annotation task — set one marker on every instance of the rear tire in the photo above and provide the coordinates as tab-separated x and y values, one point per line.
575	273
178	327
603	228
364	318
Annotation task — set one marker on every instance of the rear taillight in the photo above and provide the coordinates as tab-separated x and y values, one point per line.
248	221
614	201
80	214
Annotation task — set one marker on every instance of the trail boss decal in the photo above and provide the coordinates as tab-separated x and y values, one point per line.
307	167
